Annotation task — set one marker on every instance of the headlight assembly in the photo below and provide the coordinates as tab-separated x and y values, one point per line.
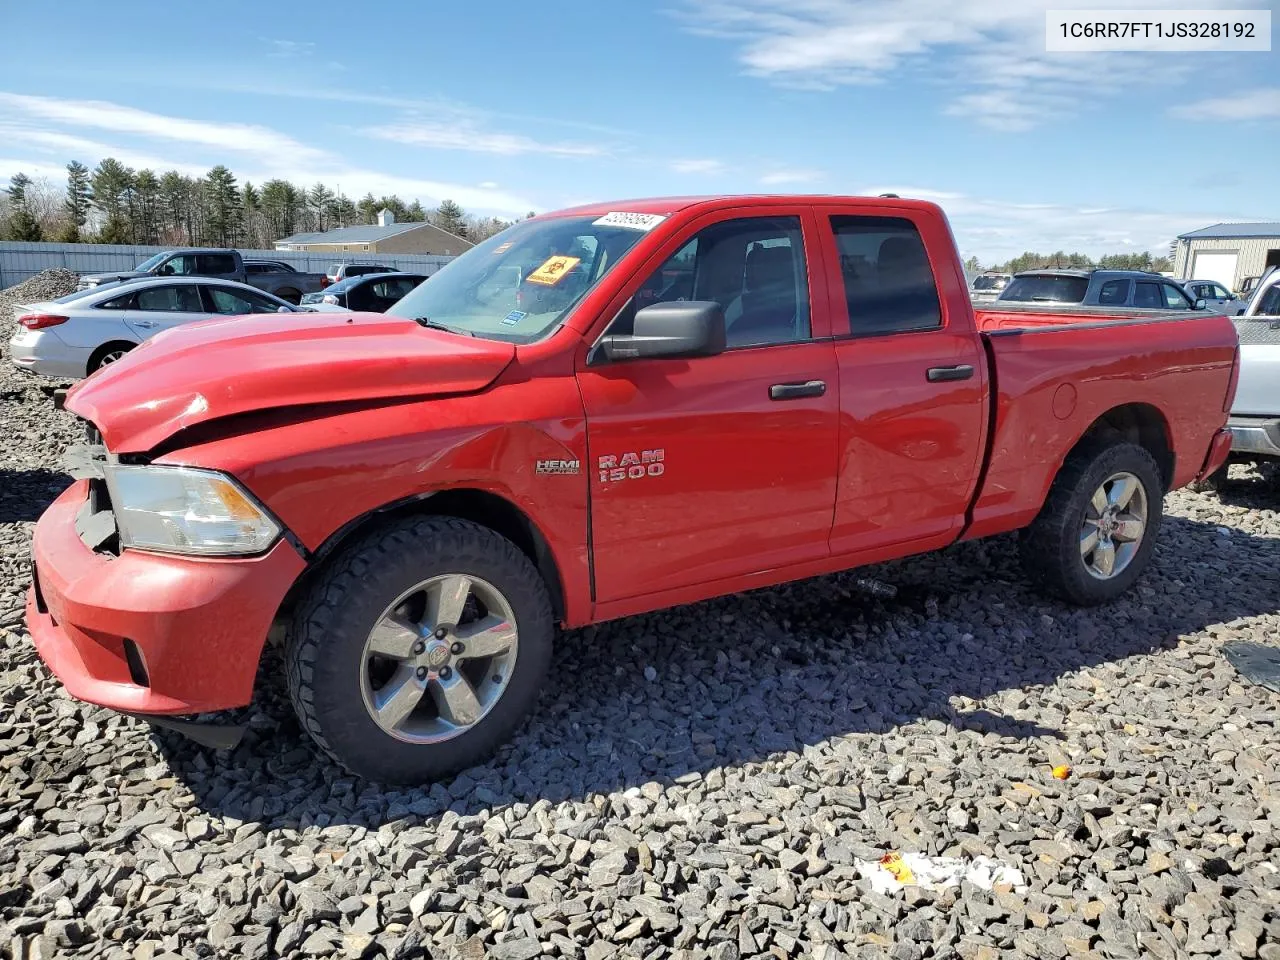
187	510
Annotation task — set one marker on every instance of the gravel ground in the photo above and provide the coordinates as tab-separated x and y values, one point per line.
701	782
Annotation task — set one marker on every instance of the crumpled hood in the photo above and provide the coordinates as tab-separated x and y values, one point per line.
219	368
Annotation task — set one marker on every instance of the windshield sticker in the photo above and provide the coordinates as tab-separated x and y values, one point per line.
514	317
553	271
503	247
632	221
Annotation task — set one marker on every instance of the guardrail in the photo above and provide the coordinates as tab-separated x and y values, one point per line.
20	261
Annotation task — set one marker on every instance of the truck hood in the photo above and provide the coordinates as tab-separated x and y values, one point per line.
205	371
93	279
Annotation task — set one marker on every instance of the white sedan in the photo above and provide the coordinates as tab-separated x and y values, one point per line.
75	335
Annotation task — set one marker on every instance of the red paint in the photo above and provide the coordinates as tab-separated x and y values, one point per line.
693	482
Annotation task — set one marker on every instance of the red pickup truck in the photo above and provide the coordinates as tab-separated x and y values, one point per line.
602	411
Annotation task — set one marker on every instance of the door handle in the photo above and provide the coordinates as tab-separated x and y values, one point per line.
961	371
795	391
144	323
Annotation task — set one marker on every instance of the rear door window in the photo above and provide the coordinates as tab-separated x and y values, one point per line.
888	283
215	264
1041	288
1114	293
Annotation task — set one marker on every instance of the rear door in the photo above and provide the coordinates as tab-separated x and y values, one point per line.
233	302
913	385
710	468
164	306
220	266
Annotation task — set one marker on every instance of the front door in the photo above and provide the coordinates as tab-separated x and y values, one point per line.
714	467
913	386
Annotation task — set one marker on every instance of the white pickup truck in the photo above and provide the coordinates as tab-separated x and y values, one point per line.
1255	415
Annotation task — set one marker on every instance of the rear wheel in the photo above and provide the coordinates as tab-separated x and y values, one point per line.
420	650
1095	533
108	353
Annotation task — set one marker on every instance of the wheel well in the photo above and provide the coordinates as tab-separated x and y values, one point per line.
478	506
96	357
1138	423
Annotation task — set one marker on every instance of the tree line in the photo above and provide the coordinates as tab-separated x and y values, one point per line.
1076	261
113	203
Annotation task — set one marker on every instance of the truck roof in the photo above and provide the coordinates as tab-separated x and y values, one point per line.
669	205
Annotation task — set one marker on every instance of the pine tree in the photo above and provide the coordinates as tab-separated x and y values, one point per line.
146	192
320	199
415	213
112	181
225	216
449	216
79	196
368	209
22	222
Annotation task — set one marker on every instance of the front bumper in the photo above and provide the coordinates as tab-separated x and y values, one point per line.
194	628
1259	436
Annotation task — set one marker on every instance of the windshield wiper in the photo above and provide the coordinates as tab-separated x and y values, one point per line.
433	325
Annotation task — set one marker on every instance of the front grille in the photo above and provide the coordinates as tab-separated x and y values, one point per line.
96	521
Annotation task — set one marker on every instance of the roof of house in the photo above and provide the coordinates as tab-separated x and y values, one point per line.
365	233
1234	231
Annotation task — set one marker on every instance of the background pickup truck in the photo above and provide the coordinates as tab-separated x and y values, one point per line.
596	413
1255	415
273	276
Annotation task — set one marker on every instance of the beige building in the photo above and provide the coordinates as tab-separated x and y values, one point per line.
386	236
1230	253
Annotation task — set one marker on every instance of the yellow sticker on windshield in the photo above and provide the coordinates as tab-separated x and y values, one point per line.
554	270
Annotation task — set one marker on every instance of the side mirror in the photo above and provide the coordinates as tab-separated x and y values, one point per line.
283	309
1201	303
683	328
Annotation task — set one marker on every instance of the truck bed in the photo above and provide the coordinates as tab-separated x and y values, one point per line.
1056	371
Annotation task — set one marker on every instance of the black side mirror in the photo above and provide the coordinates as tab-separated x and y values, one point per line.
683	328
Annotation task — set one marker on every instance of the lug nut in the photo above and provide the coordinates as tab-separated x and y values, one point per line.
445	673
457	648
422	673
441	633
419	648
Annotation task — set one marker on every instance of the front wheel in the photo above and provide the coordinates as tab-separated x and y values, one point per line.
1095	533
419	651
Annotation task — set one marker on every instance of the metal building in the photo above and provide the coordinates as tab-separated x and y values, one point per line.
386	236
1230	253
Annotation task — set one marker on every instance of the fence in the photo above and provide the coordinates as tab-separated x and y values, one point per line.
20	261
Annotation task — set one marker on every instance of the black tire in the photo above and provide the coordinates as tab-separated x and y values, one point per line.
325	648
99	358
1050	547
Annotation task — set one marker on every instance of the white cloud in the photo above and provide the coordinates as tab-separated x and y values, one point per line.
697	166
996	230
290	48
989	53
777	178
1260	104
101	115
469	137
31	124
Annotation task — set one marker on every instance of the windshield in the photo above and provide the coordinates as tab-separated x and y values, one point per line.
150	262
989	283
1046	289
520	285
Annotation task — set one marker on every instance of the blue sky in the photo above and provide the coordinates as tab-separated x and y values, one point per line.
507	107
